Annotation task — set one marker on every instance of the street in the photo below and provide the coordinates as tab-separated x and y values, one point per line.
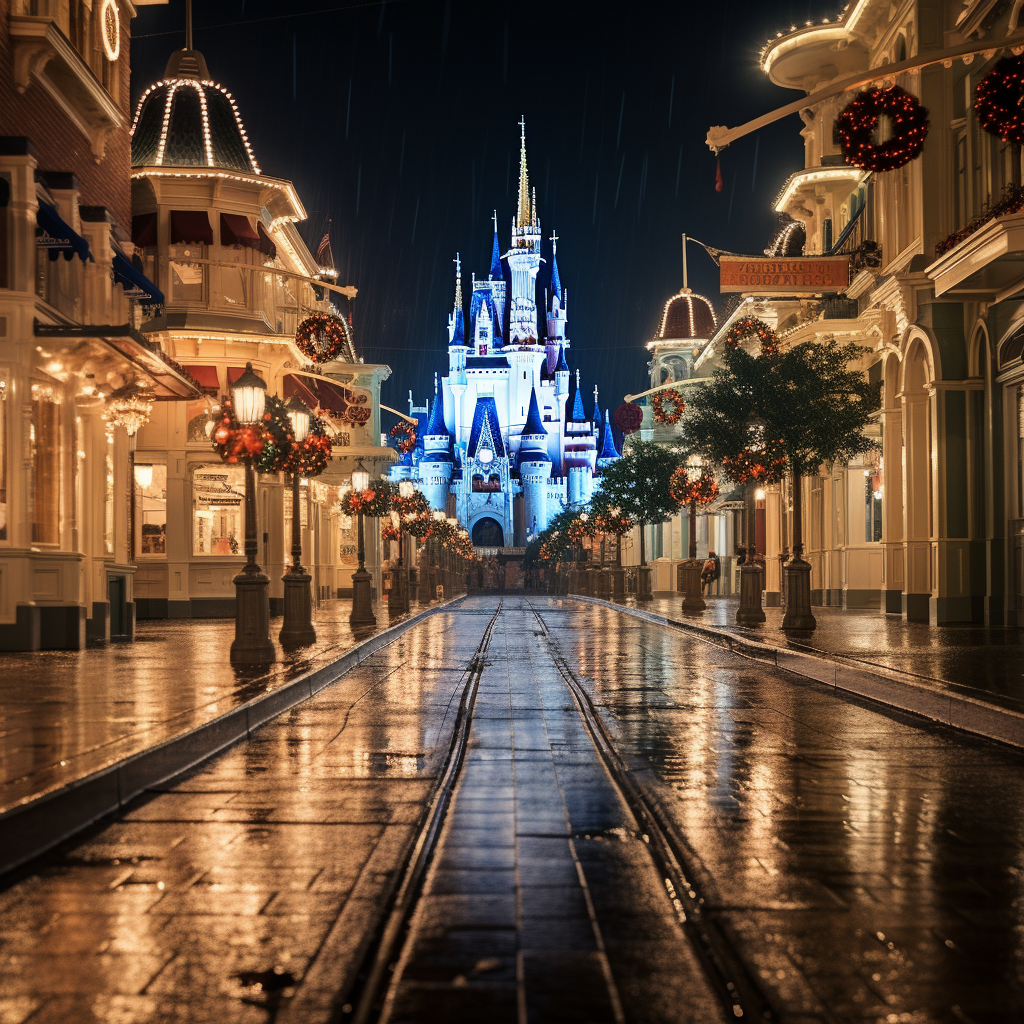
531	809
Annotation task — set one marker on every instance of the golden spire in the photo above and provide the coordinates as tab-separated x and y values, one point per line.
524	217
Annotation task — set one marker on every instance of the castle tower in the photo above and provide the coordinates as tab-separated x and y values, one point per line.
534	470
524	257
556	312
436	464
580	458
609	453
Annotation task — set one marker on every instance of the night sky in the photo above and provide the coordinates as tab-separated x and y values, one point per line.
398	121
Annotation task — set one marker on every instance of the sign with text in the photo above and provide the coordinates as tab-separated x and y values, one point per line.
805	275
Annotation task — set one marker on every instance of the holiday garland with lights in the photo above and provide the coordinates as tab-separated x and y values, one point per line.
751	327
375	501
388	531
856	126
321	337
268	444
404	434
998	98
696	487
415	505
675	404
310	458
764	464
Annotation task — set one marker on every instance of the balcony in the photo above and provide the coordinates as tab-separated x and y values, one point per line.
43	54
804	190
987	265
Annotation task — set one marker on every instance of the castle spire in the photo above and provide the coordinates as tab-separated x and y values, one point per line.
524	215
494	273
458	281
457	321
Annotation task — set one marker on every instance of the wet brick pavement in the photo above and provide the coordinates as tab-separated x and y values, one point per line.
865	867
65	714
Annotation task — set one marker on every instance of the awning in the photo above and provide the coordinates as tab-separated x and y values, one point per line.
236	230
267	246
144	229
167	380
190	227
332	398
136	285
205	375
54	234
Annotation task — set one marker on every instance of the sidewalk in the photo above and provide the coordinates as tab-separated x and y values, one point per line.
81	722
971	677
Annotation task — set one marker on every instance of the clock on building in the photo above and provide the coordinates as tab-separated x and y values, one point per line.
110	29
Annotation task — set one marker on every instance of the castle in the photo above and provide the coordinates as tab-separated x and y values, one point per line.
507	441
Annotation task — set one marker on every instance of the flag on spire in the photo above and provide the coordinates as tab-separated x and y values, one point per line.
324	255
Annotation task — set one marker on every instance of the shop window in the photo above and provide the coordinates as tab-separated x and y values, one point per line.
150	508
218	510
108	493
872	505
187	278
303	511
45	442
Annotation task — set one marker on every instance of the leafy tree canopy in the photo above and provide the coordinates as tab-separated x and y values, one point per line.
637	483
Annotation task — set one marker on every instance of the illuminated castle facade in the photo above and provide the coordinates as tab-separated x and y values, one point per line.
508	443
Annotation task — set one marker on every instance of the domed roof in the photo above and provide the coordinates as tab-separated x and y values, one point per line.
687	315
186	120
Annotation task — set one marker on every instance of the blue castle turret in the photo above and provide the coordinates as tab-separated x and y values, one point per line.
436	464
534	470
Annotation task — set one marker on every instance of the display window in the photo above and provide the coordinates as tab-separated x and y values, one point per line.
218	510
45	443
3	465
150	508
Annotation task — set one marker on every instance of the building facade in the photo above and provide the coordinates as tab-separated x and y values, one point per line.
931	526
509	440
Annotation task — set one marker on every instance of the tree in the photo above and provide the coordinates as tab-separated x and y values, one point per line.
638	484
759	417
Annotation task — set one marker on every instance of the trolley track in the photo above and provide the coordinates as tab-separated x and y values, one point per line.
366	999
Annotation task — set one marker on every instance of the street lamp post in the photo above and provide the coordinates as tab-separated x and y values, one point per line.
252	644
435	558
362	603
398	600
297	630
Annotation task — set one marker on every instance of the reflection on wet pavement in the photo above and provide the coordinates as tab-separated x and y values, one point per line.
66	714
869	867
275	856
987	663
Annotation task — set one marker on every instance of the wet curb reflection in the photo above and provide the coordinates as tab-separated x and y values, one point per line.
35	825
886	686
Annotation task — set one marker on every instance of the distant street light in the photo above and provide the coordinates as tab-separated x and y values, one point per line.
362	604
297	629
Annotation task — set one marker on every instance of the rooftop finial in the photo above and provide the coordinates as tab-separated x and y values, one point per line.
554	243
458	281
494	220
685	285
523	217
188	24
577	378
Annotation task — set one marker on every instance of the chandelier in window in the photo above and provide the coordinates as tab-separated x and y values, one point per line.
129	407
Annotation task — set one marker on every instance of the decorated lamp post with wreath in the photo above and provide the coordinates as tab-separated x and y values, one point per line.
243	436
364	500
405	506
692	486
310	453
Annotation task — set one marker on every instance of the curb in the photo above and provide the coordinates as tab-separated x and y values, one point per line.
889	687
31	828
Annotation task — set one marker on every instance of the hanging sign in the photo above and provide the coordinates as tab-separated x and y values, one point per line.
807	275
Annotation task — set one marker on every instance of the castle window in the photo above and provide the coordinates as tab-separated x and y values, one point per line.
491	485
483	348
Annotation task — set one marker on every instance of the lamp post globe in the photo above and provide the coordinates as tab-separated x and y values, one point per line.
297	629
362	603
406	489
252	644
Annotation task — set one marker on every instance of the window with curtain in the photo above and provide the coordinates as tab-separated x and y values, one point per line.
45	443
218	510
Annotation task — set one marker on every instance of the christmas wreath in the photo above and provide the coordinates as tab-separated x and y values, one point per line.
628	417
404	434
675	403
765	465
749	327
998	98
417	524
613	522
685	489
311	457
321	337
415	505
269	444
375	501
856	125
388	531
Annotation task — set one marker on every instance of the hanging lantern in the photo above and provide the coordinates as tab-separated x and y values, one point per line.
249	397
360	478
129	407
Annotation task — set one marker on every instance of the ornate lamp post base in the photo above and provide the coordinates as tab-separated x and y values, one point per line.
750	612
252	644
398	599
297	630
693	599
643	583
362	604
798	596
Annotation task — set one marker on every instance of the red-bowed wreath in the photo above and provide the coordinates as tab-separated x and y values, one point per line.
856	126
767	465
701	489
321	337
998	98
375	501
613	522
750	327
628	418
674	400
268	444
311	457
388	531
404	434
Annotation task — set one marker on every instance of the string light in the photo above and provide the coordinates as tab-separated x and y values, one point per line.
687	296
856	125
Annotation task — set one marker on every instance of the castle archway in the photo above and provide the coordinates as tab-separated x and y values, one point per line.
487	533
